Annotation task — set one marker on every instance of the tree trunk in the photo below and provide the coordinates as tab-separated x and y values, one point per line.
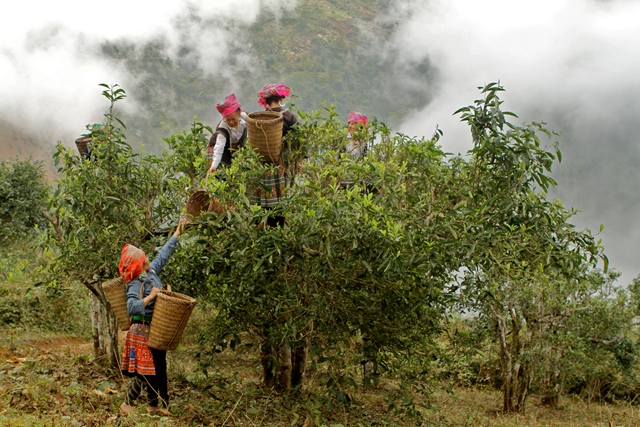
286	368
369	362
300	357
283	372
104	328
276	368
551	384
516	376
268	364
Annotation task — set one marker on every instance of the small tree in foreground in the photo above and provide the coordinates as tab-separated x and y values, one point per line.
116	196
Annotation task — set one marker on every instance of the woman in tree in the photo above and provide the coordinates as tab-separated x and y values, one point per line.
356	145
230	134
272	97
268	195
146	365
356	142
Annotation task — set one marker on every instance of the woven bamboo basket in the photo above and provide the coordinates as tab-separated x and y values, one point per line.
170	316
219	208
265	134
82	143
198	202
116	292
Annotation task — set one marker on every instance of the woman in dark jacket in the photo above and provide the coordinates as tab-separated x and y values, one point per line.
273	185
146	365
230	134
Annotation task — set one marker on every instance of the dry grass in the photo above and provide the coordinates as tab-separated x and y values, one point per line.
473	407
51	380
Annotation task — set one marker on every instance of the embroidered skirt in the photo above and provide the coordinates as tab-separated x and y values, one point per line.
137	357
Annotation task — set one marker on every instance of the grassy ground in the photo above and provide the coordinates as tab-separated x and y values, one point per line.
51	380
48	378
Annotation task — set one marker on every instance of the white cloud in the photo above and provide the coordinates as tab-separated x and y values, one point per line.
556	52
50	61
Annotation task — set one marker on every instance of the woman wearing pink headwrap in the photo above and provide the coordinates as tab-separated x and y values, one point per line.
271	97
272	187
356	142
230	134
356	145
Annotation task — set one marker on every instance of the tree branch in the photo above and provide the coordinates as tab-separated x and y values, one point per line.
55	223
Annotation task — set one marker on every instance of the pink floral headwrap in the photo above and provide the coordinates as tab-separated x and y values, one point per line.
229	106
354	116
272	89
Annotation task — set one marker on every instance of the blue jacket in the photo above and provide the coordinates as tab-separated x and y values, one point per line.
135	305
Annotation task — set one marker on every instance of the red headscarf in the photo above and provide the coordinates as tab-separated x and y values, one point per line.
354	116
272	89
229	106
131	262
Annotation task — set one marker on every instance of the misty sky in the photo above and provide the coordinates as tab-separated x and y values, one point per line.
50	52
571	63
574	64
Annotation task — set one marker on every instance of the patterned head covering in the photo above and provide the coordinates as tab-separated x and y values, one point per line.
131	262
229	106
354	116
272	89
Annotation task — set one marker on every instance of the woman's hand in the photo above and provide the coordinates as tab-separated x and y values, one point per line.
180	228
152	295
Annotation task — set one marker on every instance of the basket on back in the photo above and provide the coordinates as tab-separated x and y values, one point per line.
82	143
265	134
116	293
198	202
170	316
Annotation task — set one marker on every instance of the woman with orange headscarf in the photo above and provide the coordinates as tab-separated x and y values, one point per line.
146	365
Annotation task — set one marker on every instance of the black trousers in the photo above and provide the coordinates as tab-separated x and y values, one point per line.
157	387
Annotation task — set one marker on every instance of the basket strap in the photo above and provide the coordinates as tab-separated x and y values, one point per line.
140	294
271	158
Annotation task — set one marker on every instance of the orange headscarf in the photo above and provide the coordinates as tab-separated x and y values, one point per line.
131	262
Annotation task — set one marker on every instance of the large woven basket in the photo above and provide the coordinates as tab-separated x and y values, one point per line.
170	316
265	134
116	292
82	143
219	208
198	202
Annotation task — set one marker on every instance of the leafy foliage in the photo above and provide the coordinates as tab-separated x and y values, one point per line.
115	197
531	272
23	193
374	255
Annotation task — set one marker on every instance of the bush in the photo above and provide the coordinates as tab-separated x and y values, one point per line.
23	190
27	301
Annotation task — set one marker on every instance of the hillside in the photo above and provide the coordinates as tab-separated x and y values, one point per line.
17	142
327	51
